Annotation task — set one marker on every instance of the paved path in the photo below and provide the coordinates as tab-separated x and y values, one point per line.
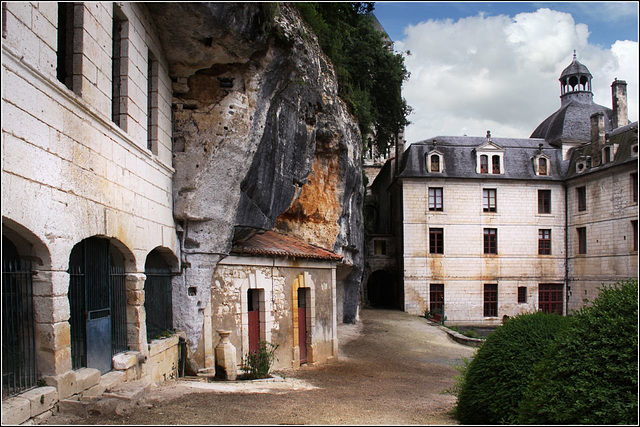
393	369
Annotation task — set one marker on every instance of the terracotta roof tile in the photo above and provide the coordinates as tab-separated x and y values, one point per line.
276	244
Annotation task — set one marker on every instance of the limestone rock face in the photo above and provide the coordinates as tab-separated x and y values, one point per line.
261	140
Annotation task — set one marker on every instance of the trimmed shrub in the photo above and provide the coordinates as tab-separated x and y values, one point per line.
498	375
589	375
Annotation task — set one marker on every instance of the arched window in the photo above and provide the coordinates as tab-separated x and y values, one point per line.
484	163
435	163
542	166
495	163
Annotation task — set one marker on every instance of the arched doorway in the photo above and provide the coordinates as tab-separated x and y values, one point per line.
19	372
97	301
382	290
158	296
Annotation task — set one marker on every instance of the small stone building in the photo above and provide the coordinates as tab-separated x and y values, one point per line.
278	289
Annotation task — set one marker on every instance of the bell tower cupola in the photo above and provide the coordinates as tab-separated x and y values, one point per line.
575	82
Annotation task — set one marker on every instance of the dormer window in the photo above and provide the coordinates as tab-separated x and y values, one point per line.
606	155
495	163
542	166
484	163
581	166
634	150
434	162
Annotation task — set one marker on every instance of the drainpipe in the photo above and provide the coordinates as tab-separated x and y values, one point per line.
566	248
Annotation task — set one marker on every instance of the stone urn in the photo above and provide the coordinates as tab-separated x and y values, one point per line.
226	366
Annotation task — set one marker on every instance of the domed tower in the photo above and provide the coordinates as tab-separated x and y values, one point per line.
570	126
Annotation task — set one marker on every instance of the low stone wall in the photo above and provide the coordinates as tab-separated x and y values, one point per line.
162	362
86	384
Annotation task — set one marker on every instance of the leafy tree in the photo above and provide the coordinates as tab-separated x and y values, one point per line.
370	75
589	375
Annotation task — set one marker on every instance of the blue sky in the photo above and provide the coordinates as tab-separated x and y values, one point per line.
494	65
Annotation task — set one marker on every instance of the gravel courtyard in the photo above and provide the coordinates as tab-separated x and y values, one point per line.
392	369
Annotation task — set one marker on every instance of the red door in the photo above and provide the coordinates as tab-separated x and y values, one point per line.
302	324
254	320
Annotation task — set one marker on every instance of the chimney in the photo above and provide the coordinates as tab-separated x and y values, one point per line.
619	102
399	151
598	138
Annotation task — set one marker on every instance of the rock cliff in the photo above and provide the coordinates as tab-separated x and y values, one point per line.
261	141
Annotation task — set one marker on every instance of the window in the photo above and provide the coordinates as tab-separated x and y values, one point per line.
436	299
435	163
550	298
522	294
581	194
606	155
489	200
64	70
634	227
484	163
544	201
436	241
495	163
544	242
582	240
435	199
490	300
634	187
380	247
118	68
490	240
152	103
542	166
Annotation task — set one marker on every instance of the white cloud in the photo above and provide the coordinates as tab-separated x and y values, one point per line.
501	73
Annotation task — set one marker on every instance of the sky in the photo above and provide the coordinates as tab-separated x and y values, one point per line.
478	66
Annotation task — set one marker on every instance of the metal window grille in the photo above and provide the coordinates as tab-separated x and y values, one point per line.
19	371
157	302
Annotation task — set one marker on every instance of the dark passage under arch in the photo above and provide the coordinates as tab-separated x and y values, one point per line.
383	291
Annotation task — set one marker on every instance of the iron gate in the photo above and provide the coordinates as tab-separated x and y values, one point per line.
157	298
98	305
19	372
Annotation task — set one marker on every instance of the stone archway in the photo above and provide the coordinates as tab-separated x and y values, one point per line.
382	290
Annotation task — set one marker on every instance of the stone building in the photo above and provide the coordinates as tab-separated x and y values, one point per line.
489	227
131	170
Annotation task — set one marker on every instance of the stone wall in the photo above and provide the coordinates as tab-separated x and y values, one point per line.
609	211
464	268
70	173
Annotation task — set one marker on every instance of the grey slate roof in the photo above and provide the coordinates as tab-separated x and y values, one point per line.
572	122
460	158
575	68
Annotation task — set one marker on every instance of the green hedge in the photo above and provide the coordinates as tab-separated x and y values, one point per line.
498	375
590	373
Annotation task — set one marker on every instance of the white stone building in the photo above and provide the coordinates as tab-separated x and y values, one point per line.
490	227
86	201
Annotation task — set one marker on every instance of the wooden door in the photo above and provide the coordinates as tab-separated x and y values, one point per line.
254	320
302	324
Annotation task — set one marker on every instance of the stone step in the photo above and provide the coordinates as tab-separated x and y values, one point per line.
73	407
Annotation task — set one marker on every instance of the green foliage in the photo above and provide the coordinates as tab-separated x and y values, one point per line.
590	373
466	332
498	375
370	75
258	364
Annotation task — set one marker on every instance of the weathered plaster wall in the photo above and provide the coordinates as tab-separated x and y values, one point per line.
609	211
256	112
464	268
